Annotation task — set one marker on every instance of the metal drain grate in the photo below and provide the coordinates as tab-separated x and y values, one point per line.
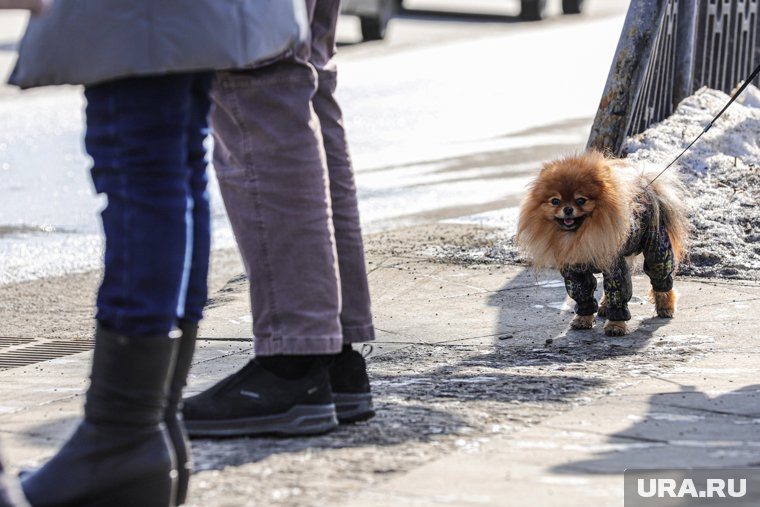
18	352
6	342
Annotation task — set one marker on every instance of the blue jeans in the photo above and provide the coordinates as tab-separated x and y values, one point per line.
145	136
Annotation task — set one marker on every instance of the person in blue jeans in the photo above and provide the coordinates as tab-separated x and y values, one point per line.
147	108
145	136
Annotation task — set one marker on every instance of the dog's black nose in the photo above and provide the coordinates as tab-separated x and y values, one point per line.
568	211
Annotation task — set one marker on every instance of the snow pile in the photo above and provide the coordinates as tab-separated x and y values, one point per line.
721	172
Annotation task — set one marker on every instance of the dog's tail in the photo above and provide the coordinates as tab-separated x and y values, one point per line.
667	197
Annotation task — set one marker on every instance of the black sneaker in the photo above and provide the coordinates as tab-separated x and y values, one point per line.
350	387
255	401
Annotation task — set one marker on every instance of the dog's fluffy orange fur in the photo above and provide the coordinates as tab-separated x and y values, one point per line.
581	209
610	188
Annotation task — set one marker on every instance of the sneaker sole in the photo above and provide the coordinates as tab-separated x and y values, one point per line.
299	420
353	408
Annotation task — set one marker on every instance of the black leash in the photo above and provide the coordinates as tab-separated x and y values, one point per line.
743	87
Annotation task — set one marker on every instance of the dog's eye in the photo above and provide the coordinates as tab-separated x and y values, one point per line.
580	201
555	202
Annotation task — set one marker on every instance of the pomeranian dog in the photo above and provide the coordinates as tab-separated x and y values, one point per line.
587	214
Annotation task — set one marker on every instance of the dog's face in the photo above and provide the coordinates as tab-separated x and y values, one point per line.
574	213
569	193
570	208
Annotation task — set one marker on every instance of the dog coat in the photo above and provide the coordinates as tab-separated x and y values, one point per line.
649	236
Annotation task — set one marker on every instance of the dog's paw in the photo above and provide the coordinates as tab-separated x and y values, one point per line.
664	303
582	322
615	328
602	312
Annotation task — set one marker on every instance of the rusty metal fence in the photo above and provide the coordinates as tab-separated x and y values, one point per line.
668	49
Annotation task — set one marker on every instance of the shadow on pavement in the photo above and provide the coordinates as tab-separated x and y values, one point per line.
410	409
684	429
429	390
394	425
535	313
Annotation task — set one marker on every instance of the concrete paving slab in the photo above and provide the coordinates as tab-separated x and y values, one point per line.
714	374
494	401
578	458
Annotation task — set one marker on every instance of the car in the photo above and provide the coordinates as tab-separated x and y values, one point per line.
374	15
533	10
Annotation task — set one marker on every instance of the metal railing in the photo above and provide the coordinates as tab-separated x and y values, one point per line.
668	49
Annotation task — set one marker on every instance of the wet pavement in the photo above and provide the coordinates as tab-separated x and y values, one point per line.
445	118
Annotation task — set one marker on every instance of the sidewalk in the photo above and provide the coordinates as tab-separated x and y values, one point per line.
484	396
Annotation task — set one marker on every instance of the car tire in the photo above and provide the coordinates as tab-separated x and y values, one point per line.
532	10
374	28
572	6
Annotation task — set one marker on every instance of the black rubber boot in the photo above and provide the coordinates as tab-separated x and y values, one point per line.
120	455
173	417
